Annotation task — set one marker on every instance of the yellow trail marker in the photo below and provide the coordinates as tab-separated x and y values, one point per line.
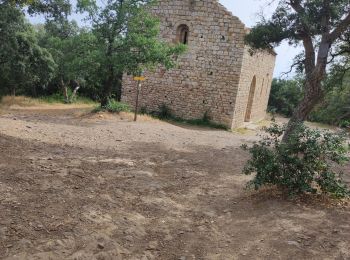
140	78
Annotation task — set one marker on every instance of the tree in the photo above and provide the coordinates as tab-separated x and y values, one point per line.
321	26
285	95
24	64
335	108
50	8
71	49
127	41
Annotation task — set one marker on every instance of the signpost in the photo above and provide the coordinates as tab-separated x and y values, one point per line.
139	79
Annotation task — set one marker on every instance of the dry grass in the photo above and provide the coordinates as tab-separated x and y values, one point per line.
243	131
8	101
22	102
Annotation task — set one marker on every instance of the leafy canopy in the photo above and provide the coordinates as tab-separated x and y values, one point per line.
126	41
24	63
288	24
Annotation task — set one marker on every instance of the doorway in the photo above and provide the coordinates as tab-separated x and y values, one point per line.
248	113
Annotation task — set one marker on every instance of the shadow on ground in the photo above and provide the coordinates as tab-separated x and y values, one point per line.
152	202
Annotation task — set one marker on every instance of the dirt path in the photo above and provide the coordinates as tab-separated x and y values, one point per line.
82	187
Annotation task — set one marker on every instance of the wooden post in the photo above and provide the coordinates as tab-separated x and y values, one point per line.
137	99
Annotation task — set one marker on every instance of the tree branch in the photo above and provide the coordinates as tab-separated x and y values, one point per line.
296	63
337	32
306	37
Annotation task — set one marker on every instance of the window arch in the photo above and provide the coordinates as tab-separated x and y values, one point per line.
182	33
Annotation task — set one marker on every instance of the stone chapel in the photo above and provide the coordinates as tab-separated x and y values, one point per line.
217	76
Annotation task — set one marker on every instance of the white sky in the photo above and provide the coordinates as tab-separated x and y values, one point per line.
247	11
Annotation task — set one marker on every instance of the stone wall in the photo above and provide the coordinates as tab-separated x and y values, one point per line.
259	66
207	78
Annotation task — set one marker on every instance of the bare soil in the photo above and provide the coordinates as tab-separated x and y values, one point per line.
81	186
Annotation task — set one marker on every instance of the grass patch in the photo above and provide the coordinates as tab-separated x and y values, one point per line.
59	99
24	101
242	131
197	122
113	107
165	114
7	101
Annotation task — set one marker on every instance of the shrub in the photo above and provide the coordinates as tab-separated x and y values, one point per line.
54	98
304	164
345	123
114	107
206	117
164	112
143	110
285	96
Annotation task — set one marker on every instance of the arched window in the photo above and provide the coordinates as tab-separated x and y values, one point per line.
182	34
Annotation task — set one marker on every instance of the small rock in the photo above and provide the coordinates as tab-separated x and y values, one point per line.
153	245
129	238
182	258
100	246
293	243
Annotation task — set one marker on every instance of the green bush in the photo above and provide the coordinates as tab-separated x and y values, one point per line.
54	98
165	112
114	107
335	108
304	164
345	123
285	96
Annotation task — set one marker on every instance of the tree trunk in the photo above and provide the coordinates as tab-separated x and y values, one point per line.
313	95
119	82
107	88
75	84
35	93
64	91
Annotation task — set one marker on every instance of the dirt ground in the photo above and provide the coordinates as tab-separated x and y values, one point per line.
76	186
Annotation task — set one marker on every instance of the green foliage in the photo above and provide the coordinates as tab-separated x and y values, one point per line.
335	107
25	65
126	41
302	164
286	24
54	98
113	107
50	8
144	49
322	28
285	96
164	112
73	50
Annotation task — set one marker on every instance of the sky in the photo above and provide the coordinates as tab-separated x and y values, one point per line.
246	11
